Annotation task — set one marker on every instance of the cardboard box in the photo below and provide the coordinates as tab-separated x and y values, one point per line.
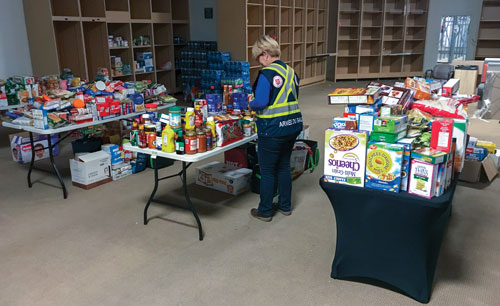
360	109
422	89
395	96
387	137
450	88
393	124
460	134
408	144
354	95
121	170
383	166
429	155
344	124
423	178
114	153
298	162
90	168
441	180
21	148
475	171
366	122
40	120
345	157
490	146
218	176
476	153
442	131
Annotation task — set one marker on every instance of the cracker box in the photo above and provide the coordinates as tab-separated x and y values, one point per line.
429	155
442	131
392	124
383	166
345	157
354	95
407	143
423	178
387	137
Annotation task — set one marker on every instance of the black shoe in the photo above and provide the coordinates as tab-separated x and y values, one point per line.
254	212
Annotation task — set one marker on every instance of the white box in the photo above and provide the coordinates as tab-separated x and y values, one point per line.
451	87
219	176
365	122
90	168
423	177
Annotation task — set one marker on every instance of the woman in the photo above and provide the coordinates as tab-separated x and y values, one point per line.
279	123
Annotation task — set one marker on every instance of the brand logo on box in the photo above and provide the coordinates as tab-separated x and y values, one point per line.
421	171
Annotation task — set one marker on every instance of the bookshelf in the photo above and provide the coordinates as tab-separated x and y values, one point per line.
74	34
380	38
300	27
488	41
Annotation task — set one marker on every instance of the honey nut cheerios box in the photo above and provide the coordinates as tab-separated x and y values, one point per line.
345	157
383	166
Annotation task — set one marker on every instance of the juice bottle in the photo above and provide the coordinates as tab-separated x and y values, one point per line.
143	141
190	119
179	144
211	126
134	134
168	142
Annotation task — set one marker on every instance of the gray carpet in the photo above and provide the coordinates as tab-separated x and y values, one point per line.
92	248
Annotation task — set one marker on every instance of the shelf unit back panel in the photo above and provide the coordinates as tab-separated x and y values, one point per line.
488	43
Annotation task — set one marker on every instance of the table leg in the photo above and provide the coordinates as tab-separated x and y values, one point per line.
53	164
151	197
188	200
32	163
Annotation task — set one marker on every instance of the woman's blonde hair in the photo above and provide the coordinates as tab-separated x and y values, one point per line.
268	44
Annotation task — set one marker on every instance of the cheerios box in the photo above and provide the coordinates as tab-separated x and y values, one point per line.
383	166
345	157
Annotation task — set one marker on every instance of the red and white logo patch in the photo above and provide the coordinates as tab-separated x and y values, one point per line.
277	81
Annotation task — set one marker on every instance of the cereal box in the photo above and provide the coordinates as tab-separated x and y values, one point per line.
423	178
345	157
429	155
387	137
442	131
407	143
383	166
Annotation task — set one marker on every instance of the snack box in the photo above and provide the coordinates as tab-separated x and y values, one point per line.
429	155
354	95
490	146
423	178
387	137
345	124
392	124
422	89
408	145
383	166
475	153
345	157
360	109
442	132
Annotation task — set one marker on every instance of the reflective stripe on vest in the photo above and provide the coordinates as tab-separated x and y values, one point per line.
281	105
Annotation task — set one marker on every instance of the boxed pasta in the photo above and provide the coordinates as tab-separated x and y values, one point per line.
383	166
345	157
423	178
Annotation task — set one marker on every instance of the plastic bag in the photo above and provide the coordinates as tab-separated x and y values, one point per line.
443	107
418	119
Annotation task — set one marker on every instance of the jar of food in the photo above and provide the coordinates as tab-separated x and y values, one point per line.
175	117
191	141
208	134
152	111
247	128
202	141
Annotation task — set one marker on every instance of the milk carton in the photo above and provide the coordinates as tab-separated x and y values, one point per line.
345	157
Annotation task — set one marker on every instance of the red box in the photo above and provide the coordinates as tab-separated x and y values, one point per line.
103	106
442	132
115	107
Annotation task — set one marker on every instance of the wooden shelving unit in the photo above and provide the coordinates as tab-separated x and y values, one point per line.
300	26
74	34
380	38
488	41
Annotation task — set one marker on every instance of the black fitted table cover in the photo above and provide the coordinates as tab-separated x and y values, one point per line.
388	239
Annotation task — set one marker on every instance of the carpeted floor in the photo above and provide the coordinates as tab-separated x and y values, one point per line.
92	248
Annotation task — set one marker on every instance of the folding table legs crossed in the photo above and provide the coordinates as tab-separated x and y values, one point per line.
190	206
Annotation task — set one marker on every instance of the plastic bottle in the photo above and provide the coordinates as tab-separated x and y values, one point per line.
143	141
190	119
211	126
168	140
179	144
134	134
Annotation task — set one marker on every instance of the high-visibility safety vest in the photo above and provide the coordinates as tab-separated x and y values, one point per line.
282	116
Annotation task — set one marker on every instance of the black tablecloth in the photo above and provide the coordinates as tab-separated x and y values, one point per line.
388	238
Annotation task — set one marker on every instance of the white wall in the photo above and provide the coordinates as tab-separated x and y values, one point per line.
201	28
14	49
442	8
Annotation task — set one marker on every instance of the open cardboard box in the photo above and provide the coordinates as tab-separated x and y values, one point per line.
481	171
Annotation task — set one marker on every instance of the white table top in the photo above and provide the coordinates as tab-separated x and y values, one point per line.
77	126
189	158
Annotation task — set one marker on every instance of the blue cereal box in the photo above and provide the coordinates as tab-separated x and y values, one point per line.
407	143
383	166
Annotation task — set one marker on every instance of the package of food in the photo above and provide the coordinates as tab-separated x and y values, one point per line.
391	110
353	96
393	124
345	157
429	155
383	166
475	153
422	89
395	96
345	124
387	137
423	140
408	144
228	132
423	178
443	107
418	119
366	122
490	146
442	131
440	180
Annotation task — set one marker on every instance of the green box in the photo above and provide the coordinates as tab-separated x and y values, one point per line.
387	137
392	124
429	155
